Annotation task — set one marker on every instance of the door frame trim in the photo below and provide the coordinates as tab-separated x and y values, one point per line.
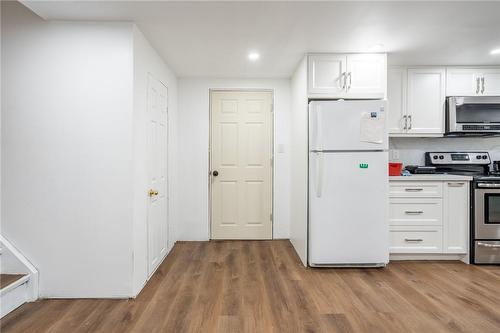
273	147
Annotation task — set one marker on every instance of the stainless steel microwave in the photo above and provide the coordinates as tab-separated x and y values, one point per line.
469	115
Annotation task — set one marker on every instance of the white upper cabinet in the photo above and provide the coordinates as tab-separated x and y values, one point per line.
347	75
396	100
366	75
462	82
472	81
490	85
326	74
426	100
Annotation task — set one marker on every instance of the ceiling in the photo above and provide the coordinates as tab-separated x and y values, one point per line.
213	39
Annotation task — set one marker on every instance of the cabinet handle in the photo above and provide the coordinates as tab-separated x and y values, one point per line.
343	80
405	120
477	85
414	212
456	184
410	121
482	85
413	189
414	240
350	81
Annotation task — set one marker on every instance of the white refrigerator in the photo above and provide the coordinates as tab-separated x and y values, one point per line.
348	183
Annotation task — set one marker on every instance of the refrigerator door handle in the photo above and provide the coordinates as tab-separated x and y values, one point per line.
319	174
316	135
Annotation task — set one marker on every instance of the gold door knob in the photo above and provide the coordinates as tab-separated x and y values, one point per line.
152	193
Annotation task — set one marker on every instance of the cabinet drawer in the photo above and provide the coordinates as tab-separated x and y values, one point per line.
416	189
416	240
416	211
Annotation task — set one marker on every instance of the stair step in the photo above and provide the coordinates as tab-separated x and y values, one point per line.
7	279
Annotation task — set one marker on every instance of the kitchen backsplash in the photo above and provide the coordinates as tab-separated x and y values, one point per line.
411	150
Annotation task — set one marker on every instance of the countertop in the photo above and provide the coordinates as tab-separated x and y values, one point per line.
431	177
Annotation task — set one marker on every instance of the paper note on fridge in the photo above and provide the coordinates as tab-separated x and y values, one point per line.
372	127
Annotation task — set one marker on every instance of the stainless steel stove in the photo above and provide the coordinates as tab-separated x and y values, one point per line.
485	199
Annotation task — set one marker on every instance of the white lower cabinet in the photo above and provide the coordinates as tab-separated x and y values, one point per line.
429	217
456	217
416	239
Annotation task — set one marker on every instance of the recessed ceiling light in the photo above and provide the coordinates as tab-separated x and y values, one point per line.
253	56
495	51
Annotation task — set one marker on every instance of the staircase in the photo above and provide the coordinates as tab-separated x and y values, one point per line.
18	278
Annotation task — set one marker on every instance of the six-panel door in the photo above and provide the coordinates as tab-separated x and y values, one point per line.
157	192
241	165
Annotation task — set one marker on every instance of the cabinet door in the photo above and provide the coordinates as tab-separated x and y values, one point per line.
326	75
396	100
366	75
456	217
426	98
462	82
491	84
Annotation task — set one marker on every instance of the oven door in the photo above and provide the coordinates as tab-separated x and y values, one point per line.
487	211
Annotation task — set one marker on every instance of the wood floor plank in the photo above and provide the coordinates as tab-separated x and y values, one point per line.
261	286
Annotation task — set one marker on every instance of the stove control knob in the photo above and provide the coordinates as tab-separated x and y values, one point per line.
478	157
441	157
485	157
435	157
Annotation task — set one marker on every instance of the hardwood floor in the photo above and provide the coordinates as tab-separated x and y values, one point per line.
260	286
6	279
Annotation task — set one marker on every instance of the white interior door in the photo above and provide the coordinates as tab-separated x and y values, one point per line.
241	164
157	192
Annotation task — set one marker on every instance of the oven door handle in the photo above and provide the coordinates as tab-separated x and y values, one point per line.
485	185
497	246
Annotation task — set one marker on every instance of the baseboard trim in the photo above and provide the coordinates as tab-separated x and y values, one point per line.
424	257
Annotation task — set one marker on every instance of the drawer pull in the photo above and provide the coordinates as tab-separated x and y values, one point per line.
413	189
414	240
414	212
456	184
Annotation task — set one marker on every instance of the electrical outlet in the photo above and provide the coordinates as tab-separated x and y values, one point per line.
394	154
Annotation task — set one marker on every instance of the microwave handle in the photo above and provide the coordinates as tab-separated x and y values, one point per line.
482	85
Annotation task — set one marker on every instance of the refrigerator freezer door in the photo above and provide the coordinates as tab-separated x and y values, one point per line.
348	208
348	125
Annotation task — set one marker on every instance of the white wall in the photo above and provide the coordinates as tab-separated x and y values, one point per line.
299	162
67	98
411	150
193	162
146	60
